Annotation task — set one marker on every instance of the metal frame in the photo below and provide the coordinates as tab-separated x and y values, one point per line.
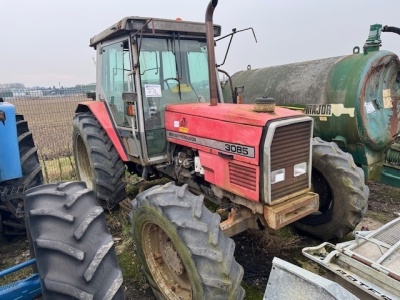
366	265
24	289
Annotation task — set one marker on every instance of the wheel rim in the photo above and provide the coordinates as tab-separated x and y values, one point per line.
83	163
165	263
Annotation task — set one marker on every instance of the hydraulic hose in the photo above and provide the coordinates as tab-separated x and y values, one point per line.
391	29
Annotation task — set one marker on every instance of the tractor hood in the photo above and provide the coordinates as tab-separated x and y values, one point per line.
221	128
233	113
235	145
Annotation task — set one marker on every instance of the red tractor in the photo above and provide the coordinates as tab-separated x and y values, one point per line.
159	112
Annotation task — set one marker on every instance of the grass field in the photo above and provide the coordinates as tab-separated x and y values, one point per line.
50	120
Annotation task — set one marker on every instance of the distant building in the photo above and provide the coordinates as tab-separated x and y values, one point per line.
20	92
35	93
6	94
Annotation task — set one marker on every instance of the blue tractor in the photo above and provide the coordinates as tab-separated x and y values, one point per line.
19	168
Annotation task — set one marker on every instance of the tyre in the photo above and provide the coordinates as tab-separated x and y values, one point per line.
185	254
74	250
12	211
343	194
97	162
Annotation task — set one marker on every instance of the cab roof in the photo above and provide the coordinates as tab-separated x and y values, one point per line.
152	26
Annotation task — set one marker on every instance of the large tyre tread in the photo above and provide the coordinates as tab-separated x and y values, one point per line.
350	192
61	247
107	167
211	250
84	225
73	247
67	289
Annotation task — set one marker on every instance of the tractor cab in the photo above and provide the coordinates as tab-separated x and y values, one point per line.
142	66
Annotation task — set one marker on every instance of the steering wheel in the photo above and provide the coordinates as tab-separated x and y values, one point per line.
171	78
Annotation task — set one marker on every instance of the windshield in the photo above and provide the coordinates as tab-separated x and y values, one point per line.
172	70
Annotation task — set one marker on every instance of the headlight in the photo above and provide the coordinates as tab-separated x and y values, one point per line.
277	176
300	169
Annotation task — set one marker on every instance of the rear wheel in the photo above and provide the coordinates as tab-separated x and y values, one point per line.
184	252
12	208
97	162
343	194
73	248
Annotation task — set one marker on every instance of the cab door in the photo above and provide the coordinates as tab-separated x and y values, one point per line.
114	74
172	70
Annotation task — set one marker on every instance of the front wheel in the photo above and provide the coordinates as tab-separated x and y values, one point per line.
184	252
343	194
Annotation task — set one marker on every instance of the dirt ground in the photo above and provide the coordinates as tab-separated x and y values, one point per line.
254	250
256	258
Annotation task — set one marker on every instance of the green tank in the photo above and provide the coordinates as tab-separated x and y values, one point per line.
354	100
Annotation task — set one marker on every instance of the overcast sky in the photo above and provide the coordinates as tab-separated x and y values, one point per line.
45	42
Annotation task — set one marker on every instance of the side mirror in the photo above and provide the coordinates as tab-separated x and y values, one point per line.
236	94
91	95
239	90
129	97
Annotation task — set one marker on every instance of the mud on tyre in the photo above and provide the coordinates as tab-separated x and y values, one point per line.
97	161
185	254
12	212
343	194
73	248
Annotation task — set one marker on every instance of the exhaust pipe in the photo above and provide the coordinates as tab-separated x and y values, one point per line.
211	52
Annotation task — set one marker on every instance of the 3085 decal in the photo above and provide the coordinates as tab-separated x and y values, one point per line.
237	149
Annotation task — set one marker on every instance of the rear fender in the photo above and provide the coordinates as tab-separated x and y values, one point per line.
101	113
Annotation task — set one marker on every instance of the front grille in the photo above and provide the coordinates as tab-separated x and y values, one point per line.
290	146
243	176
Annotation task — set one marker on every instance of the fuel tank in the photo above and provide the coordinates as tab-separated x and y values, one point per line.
353	99
10	165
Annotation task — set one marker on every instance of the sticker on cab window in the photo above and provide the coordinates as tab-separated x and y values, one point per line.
152	90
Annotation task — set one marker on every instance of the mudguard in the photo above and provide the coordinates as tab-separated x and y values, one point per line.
102	115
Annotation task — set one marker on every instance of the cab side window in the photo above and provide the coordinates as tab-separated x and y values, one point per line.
116	68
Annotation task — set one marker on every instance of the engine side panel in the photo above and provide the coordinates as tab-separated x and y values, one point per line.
236	177
229	152
238	141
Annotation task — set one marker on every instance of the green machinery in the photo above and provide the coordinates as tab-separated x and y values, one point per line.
354	100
